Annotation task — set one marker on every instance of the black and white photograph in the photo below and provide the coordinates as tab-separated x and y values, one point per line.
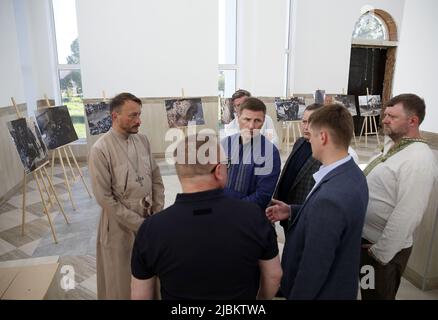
227	111
98	117
56	126
290	109
184	112
347	101
320	96
370	105
29	143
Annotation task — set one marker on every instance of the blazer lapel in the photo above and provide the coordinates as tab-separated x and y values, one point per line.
307	165
296	146
342	168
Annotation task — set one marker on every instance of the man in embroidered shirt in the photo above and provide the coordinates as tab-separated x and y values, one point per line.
267	129
322	251
400	181
254	161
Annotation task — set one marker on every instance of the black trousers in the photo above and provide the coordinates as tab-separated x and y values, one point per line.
387	277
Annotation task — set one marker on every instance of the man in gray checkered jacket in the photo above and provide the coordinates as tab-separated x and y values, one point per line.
296	179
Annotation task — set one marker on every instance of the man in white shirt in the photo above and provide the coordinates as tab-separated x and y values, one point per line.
400	181
268	129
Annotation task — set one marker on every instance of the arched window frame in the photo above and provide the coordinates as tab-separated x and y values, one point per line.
381	23
388	41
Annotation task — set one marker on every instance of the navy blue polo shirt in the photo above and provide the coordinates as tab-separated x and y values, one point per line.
205	246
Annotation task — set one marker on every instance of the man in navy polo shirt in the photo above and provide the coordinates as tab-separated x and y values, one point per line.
206	245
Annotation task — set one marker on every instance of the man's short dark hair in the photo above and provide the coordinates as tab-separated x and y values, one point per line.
337	119
412	104
313	107
239	94
253	104
120	99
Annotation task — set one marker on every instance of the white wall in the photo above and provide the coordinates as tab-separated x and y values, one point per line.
26	55
323	41
261	45
148	47
11	82
417	64
41	43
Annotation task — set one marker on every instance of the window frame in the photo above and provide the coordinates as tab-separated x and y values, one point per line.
232	66
58	67
379	20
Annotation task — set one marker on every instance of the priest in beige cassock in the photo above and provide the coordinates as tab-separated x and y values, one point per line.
127	185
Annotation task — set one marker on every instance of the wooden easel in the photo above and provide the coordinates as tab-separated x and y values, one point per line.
39	174
290	126
186	128
67	149
354	132
370	126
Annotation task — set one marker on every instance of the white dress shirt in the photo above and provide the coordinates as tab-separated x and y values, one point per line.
399	191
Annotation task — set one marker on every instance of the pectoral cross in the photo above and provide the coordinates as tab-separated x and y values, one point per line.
139	180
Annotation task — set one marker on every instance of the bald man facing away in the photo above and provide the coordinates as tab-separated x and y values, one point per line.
206	245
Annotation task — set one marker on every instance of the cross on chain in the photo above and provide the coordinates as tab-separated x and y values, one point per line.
139	180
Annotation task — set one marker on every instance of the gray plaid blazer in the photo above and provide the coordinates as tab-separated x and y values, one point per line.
303	183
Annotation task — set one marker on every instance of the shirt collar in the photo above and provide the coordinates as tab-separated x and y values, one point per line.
199	196
324	170
118	135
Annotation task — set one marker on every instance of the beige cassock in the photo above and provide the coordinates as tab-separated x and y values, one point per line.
123	174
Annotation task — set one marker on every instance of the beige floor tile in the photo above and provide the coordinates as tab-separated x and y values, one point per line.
13	218
30	247
5	247
13	255
31	198
29	262
33	230
55	181
408	291
5	207
90	284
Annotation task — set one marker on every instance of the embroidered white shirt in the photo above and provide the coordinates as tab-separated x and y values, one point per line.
399	192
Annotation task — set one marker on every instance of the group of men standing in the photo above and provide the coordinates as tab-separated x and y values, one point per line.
217	241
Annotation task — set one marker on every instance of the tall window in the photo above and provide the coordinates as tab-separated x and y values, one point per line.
371	27
227	47
288	48
69	68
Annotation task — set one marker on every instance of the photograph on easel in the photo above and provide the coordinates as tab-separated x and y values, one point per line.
370	105
182	111
227	111
56	126
319	96
347	101
98	117
291	109
29	143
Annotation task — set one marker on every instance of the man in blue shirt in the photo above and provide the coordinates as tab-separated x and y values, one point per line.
254	162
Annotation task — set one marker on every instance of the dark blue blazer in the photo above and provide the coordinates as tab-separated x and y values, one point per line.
322	251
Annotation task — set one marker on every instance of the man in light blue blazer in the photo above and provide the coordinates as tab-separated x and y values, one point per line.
321	256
